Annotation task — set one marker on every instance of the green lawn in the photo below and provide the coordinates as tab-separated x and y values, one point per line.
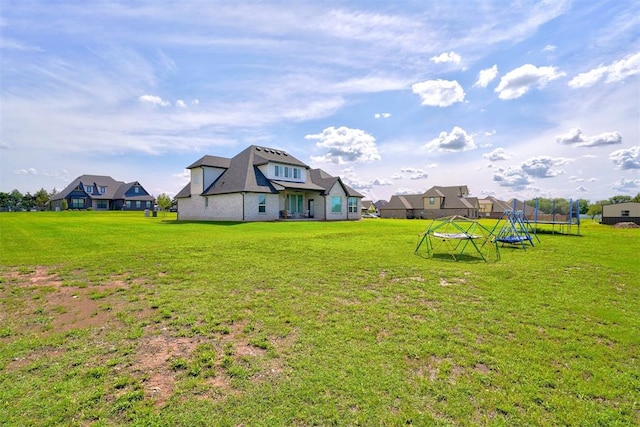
111	318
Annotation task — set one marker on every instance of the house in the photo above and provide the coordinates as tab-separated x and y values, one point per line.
367	206
407	206
621	212
448	201
490	207
100	192
437	202
264	184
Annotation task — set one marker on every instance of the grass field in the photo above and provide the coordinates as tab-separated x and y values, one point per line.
111	318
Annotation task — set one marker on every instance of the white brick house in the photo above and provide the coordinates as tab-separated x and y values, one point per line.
264	184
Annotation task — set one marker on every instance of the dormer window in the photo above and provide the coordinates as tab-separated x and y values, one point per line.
103	190
88	189
136	189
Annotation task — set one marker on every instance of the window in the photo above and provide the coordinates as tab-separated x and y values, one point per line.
278	170
77	202
262	203
102	204
296	173
136	189
206	202
624	213
286	171
103	190
137	204
432	200
336	204
353	205
128	204
88	189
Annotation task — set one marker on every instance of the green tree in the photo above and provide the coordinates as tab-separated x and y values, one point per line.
584	206
28	201
41	199
620	198
14	201
594	210
164	201
636	199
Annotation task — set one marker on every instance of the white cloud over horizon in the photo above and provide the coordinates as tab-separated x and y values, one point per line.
345	145
486	76
576	137
457	140
521	80
439	93
615	72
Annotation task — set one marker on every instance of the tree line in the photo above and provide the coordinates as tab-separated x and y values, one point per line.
562	206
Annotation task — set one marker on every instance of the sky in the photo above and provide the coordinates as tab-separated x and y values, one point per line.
517	99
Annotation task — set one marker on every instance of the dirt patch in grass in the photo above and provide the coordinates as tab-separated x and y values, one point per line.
59	307
626	225
164	361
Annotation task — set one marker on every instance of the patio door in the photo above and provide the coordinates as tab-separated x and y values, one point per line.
294	203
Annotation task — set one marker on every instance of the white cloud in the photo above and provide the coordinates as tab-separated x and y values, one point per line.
346	145
457	140
550	48
415	173
154	100
382	115
401	191
541	166
513	177
30	171
626	185
439	93
575	136
180	103
521	80
486	76
496	155
581	189
43	172
195	102
447	57
626	158
614	72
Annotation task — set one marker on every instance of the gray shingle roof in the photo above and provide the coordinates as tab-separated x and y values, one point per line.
115	190
243	175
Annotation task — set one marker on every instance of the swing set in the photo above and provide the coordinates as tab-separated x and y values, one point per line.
514	228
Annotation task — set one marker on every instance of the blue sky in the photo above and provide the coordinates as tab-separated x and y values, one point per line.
528	99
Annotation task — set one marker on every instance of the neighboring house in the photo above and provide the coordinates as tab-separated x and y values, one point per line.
367	207
264	184
103	193
379	204
621	212
407	206
437	202
490	207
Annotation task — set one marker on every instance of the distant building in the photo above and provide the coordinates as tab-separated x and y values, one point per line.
437	202
99	192
621	212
